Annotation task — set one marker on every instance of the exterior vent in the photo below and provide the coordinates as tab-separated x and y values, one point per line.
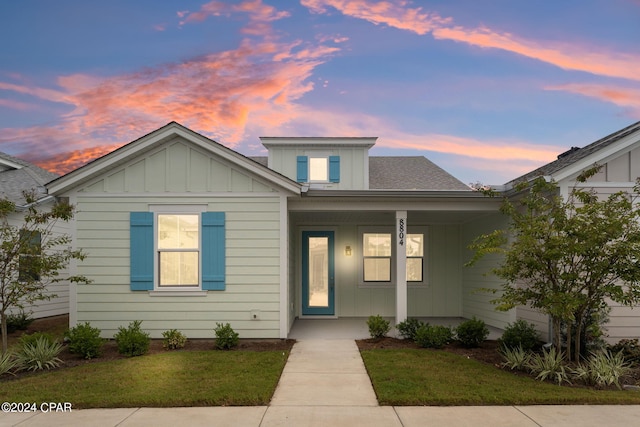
569	151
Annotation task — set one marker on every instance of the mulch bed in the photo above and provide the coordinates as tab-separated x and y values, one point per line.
110	350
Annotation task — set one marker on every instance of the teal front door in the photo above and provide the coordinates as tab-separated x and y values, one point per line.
318	279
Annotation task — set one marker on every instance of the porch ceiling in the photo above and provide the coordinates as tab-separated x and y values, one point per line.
376	217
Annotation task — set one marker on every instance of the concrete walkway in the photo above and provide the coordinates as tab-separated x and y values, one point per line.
324	383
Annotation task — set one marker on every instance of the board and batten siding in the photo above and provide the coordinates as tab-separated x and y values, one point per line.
252	271
474	301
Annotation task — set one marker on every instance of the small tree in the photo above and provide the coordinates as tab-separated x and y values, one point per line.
566	257
31	255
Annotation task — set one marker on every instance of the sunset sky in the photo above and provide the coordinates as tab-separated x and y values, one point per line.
488	90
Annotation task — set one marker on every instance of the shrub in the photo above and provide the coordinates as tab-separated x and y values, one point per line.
7	362
226	337
603	369
435	336
378	327
515	358
520	334
471	333
85	340
630	350
38	354
132	341
18	322
173	339
409	327
549	365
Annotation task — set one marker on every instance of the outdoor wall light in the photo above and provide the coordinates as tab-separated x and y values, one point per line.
347	250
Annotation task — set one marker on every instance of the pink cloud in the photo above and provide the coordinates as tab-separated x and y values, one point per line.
392	13
17	105
628	98
255	8
217	94
590	59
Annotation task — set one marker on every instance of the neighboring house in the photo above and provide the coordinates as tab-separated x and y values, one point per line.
182	232
17	176
619	155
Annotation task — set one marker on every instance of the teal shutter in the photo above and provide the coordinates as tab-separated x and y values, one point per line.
213	251
302	169
334	168
141	245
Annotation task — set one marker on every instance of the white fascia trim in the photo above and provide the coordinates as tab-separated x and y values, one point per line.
169	132
601	156
318	141
284	268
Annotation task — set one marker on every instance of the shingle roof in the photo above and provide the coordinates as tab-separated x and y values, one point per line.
574	154
404	173
410	173
13	181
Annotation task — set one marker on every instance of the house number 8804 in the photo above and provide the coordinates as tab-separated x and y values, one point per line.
401	231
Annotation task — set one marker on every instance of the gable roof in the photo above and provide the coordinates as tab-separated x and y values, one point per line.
141	145
580	158
17	175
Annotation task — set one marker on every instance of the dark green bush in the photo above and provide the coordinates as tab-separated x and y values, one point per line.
409	327
132	341
226	337
630	350
173	339
433	336
472	333
520	334
378	327
18	322
85	340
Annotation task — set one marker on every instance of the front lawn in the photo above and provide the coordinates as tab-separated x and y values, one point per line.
406	377
177	378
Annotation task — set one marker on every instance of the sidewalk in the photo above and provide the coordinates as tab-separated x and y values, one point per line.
324	383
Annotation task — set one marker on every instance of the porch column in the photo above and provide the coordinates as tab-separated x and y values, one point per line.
401	266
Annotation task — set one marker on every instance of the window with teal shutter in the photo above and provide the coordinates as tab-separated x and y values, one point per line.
334	168
213	251
141	246
302	171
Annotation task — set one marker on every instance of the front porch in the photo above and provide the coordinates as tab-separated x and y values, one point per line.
356	327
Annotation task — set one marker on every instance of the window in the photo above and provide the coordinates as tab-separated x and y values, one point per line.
318	168
178	250
170	250
378	254
415	254
31	247
376	250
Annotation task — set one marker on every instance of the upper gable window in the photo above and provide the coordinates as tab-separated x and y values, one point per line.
318	169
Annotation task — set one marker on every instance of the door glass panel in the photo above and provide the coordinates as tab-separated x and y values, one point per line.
318	272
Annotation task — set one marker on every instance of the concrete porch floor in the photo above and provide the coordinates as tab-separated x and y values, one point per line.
356	327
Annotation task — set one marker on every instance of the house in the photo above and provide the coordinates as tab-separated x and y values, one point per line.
16	177
182	232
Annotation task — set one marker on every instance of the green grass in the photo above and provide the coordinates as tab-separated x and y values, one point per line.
428	377
178	378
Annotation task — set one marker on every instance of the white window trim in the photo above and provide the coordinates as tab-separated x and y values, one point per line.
416	229
317	155
176	209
